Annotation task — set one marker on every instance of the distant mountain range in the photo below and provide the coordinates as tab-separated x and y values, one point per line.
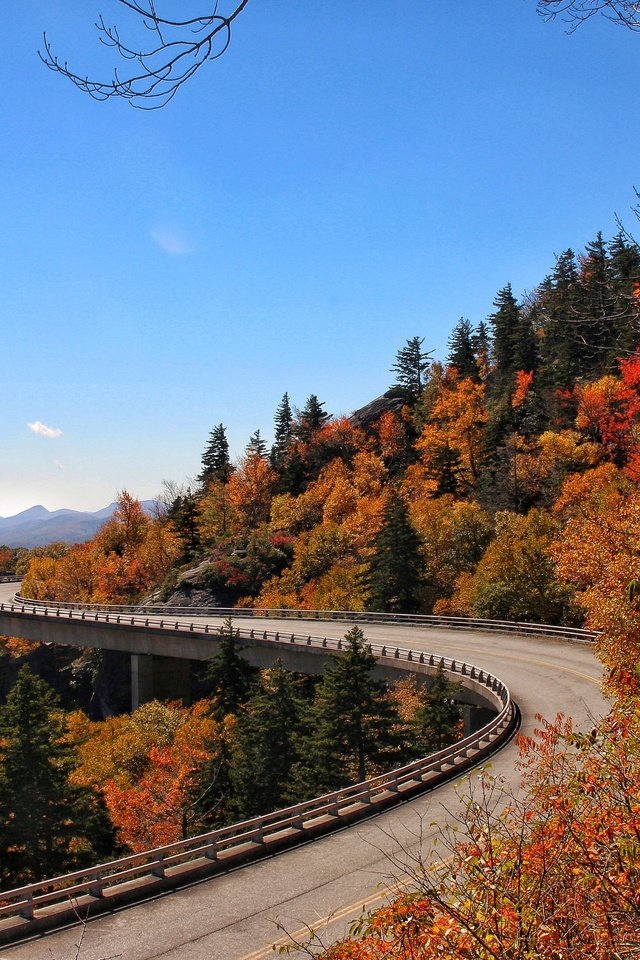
38	526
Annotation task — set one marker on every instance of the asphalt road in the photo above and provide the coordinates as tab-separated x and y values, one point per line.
235	916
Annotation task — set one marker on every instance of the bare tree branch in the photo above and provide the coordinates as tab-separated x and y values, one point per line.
626	13
178	48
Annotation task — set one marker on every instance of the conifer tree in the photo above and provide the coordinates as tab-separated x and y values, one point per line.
482	350
265	747
215	459
283	432
513	342
412	363
311	419
47	825
462	354
229	674
395	568
437	719
184	517
354	726
256	447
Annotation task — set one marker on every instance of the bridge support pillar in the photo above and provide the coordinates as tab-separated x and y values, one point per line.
141	679
467	716
159	678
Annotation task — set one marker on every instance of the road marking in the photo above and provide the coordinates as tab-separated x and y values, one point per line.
360	905
325	921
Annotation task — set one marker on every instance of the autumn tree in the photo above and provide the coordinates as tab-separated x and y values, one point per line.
251	488
49	825
516	578
596	550
548	873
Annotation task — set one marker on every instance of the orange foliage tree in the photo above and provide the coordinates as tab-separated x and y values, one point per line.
149	766
553	875
597	550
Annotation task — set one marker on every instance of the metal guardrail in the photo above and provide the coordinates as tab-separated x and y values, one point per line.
348	616
34	905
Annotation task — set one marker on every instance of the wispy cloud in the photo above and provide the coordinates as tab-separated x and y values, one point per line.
171	240
44	431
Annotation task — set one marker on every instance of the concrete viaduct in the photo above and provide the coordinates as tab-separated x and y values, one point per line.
240	913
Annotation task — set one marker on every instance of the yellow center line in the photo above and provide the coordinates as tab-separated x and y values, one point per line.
357	905
519	658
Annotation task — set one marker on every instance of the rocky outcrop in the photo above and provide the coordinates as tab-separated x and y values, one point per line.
367	416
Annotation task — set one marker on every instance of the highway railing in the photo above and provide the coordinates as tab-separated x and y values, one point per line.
57	900
344	616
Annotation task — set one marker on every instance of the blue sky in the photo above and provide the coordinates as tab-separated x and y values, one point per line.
349	175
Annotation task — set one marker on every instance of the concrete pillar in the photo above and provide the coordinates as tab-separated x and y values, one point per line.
141	679
159	678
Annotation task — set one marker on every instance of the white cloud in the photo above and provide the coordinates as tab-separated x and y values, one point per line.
171	240
44	431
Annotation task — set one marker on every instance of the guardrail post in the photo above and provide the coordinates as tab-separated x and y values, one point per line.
96	885
26	910
211	853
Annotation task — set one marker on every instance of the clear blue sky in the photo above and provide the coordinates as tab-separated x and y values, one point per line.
351	174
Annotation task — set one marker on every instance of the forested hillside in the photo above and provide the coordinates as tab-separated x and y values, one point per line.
457	492
500	481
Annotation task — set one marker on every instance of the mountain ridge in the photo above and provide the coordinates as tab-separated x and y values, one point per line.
36	526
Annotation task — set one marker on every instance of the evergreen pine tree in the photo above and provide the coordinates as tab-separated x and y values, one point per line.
481	343
437	719
412	363
462	354
265	747
283	433
394	571
47	825
215	459
624	259
184	517
595	329
228	674
256	447
311	419
509	346
354	726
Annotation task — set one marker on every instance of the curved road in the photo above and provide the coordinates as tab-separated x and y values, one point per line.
234	915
